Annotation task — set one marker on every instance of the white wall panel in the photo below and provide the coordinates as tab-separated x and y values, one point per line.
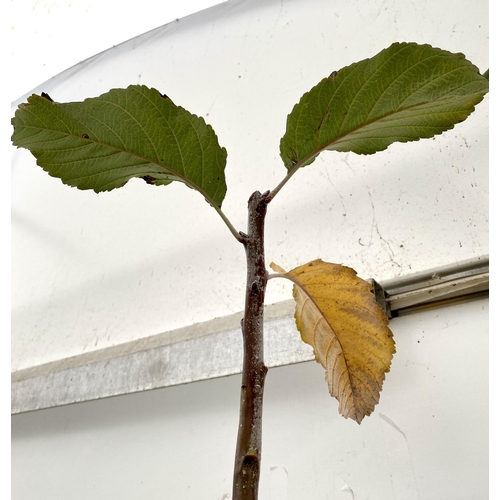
427	439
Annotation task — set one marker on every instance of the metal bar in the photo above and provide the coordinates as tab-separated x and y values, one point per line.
437	286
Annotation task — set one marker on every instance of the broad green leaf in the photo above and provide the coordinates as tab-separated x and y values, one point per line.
336	313
404	93
103	142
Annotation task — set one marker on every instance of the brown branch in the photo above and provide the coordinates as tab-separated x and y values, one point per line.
248	446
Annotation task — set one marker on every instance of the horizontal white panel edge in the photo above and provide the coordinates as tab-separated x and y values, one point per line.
214	348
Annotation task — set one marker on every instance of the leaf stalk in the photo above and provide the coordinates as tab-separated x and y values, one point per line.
233	230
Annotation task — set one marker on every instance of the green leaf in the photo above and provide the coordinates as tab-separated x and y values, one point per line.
404	93
103	142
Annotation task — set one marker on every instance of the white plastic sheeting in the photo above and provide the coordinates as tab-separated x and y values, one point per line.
47	37
90	271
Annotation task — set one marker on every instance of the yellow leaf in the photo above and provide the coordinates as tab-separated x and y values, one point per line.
336	313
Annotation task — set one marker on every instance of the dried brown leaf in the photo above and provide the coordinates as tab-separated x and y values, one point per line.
336	313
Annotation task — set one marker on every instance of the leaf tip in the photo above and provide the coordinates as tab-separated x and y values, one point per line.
277	268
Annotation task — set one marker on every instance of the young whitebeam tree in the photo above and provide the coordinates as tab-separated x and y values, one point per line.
404	93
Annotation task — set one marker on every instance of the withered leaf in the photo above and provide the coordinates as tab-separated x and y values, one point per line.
336	313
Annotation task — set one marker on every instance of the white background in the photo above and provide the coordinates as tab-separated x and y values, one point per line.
49	36
92	271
